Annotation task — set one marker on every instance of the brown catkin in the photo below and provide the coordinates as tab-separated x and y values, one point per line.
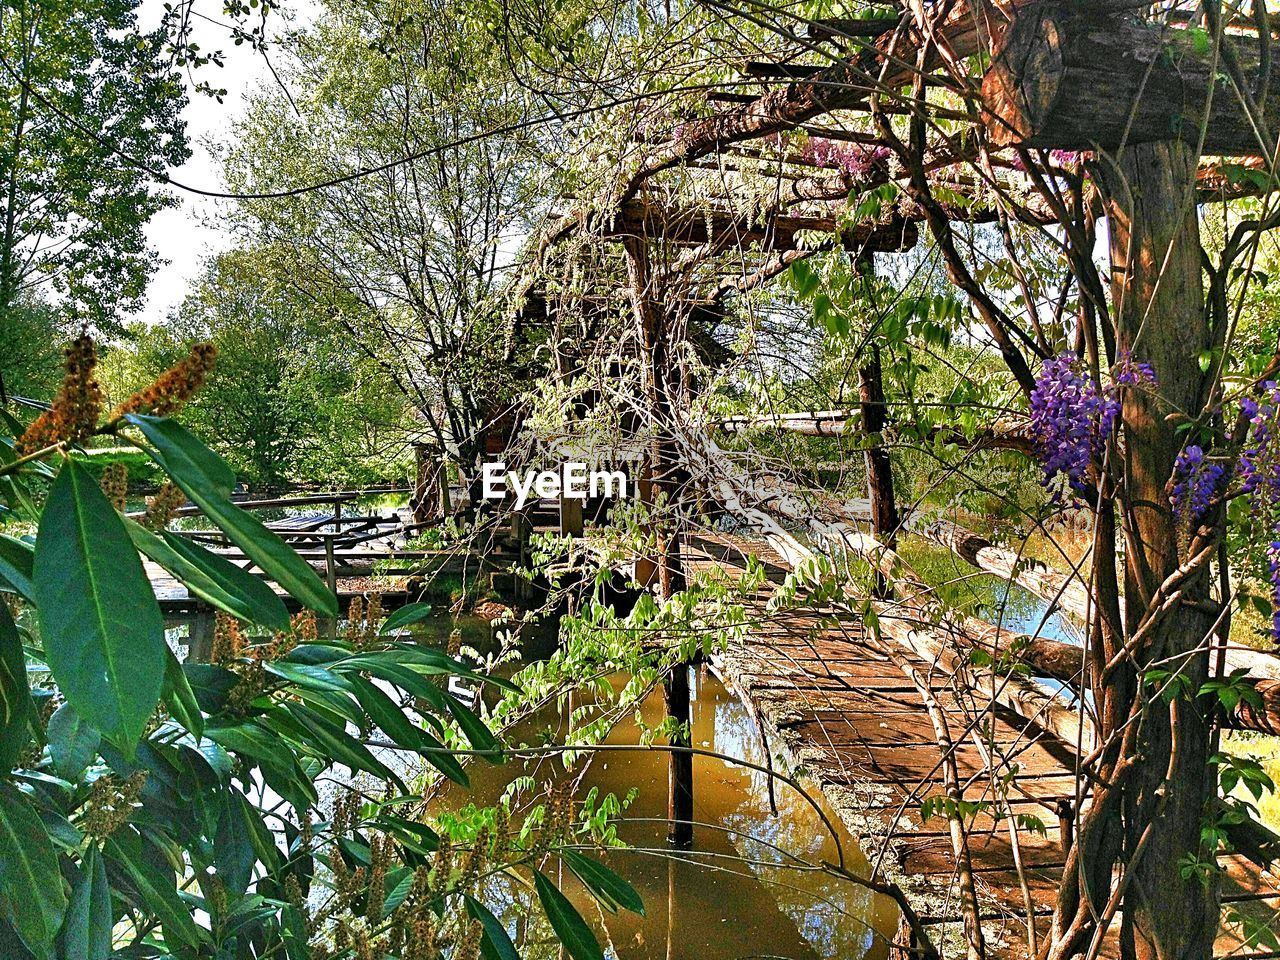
175	386
163	507
115	484
355	618
228	640
73	416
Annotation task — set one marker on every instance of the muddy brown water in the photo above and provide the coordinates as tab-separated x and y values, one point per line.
748	888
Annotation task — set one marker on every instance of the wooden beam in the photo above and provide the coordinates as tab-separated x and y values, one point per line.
1072	79
638	218
838	28
768	70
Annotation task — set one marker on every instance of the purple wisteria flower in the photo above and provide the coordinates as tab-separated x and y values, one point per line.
854	159
1067	411
1259	470
1197	484
1071	417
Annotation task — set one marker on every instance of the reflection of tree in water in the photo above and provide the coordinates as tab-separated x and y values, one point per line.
836	917
706	903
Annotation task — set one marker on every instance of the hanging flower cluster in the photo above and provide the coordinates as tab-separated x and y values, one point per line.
854	159
1260	459
1259	470
1069	420
1072	417
1198	480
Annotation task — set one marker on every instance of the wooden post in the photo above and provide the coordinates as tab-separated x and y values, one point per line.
1160	319
680	770
664	570
200	634
571	520
331	579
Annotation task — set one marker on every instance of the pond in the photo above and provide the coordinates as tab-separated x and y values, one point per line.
745	889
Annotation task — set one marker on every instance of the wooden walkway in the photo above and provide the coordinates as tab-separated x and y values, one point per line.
853	721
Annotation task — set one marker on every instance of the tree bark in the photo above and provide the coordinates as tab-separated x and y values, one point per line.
1077	78
1159	319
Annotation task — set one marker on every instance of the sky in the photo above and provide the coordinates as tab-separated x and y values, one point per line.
186	235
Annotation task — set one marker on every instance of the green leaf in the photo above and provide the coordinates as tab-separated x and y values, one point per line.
391	719
477	733
566	921
102	630
16	707
204	478
409	613
308	676
179	452
86	934
212	578
497	944
606	886
72	743
32	900
279	765
179	698
157	887
332	742
16	559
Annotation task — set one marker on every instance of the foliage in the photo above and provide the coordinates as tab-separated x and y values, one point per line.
31	349
289	400
82	86
411	262
166	808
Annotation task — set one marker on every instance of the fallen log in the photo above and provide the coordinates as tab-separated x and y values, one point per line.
1076	78
1069	593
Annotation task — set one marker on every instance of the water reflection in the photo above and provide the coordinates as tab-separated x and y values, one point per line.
743	891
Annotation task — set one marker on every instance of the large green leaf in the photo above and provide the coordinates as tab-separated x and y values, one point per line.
157	887
279	765
203	477
180	453
31	895
72	743
332	742
391	719
16	559
497	943
566	921
214	579
102	630
180	698
16	707
409	613
86	934
606	886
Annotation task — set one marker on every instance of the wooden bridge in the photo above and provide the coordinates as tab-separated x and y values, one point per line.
853	719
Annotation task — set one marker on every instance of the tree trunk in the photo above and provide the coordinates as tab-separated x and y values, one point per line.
884	508
1159	319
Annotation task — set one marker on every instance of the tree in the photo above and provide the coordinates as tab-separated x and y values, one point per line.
31	350
87	104
409	258
288	400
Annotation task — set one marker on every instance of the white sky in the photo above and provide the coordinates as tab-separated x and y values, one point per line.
188	234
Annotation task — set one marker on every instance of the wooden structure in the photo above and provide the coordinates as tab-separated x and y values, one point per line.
685	228
845	708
